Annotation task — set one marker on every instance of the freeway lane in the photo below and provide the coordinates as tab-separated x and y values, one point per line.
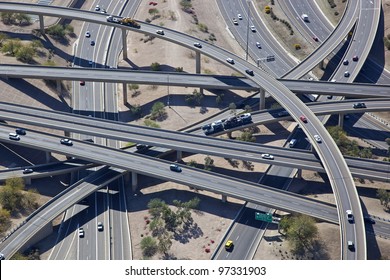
187	142
188	80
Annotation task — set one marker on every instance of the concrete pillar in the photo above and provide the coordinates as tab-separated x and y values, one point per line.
198	67
179	155
126	178
59	87
262	99
134	181
299	174
48	156
197	61
73	176
27	180
124	85
341	120
67	133
224	198
229	134
41	24
124	43
322	64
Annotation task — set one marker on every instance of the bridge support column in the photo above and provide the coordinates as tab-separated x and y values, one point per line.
48	156
299	174
73	176
198	67
41	24
134	181
126	178
341	120
124	85
224	198
59	87
179	155
322	64
27	180
229	134
67	133
124	43
262	99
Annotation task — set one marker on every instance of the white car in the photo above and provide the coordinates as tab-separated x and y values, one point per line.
239	16
100	226
230	60
258	45
267	156
66	142
81	232
87	34
198	45
317	138
253	28
349	216
97	8
160	32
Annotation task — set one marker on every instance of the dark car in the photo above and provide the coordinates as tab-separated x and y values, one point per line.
92	43
66	142
82	83
355	58
249	72
359	105
206	126
175	167
20	131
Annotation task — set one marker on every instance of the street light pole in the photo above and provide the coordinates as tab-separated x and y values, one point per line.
247	31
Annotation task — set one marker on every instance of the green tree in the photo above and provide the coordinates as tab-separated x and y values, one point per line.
192	163
208	163
248	108
15	183
36	44
149	246
155	66
5	220
384	197
22	18
136	111
219	99
134	88
7	17
203	27
25	53
158	111
151	123
3	37
11	199
153	12
69	29
164	243
300	231
11	46
179	69
56	31
246	136
233	108
156	207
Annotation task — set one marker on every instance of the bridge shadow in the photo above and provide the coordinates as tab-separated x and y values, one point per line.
38	94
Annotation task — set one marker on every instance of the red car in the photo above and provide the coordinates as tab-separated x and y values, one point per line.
153	3
315	39
303	118
355	58
82	83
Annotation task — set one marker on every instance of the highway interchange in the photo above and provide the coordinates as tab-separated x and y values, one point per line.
291	106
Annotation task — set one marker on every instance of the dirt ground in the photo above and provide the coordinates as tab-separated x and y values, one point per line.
142	53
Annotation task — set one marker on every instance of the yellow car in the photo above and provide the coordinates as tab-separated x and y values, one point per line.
229	245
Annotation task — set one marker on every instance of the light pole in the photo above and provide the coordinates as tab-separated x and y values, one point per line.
247	30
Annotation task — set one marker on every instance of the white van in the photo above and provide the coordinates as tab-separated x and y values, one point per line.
292	142
14	136
305	17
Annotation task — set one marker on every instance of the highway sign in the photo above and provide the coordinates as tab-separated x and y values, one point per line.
266	217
